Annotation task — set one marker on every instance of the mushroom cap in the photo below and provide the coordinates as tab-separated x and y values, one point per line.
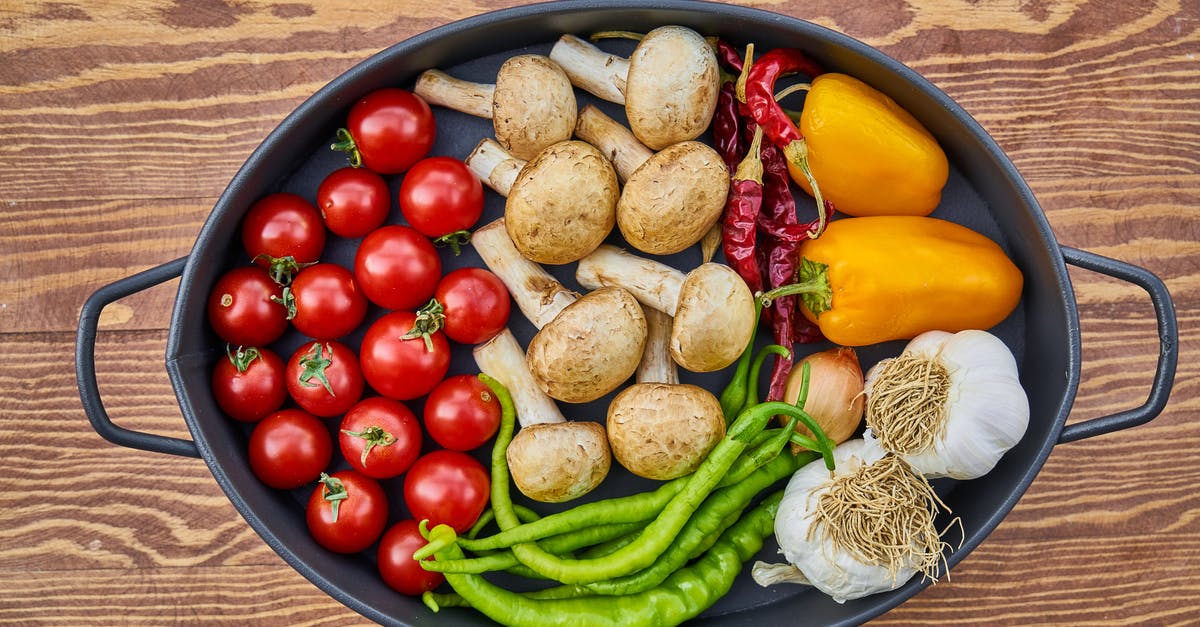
673	199
662	431
671	89
563	203
592	347
714	320
533	105
556	462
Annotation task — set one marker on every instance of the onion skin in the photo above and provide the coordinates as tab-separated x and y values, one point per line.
835	392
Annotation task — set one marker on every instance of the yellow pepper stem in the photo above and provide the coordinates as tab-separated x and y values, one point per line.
812	285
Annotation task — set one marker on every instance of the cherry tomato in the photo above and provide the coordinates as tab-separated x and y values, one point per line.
380	437
324	378
289	448
353	201
283	232
242	308
326	302
397	267
347	512
475	304
396	564
387	131
461	413
447	487
440	196
248	383
401	367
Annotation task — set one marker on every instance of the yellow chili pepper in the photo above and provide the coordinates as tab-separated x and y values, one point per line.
873	279
869	155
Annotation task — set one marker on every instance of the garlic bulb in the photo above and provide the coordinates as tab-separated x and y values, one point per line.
951	404
863	529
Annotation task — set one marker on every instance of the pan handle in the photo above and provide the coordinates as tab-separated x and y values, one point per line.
85	363
1168	345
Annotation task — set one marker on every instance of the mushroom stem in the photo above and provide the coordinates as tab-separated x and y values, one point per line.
551	459
503	359
531	105
712	309
591	69
657	366
652	283
439	88
494	165
613	139
537	293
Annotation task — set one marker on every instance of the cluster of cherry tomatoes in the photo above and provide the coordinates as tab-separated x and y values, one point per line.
294	406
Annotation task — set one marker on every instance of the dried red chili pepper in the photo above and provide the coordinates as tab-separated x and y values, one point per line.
778	256
727	127
729	56
740	227
761	105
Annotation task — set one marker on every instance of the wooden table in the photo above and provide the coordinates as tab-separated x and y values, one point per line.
123	122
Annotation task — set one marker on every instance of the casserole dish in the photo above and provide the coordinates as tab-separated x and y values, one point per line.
985	193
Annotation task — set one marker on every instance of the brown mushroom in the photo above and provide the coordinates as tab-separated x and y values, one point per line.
587	346
659	428
712	307
671	198
668	85
531	105
550	459
560	205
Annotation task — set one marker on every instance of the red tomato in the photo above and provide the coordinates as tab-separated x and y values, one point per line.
324	378
461	413
283	232
440	196
380	437
248	383
387	131
475	303
289	448
399	367
353	201
396	564
447	487
242	308
326	302
347	512
397	267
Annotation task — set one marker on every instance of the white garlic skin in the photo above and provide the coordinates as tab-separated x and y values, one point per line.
831	570
987	409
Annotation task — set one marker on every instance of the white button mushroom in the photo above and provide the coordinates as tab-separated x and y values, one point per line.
671	198
531	105
668	85
587	346
560	205
550	459
659	428
712	307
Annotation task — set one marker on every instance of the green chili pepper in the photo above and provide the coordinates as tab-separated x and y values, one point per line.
558	545
733	397
756	368
638	507
718	512
660	532
684	595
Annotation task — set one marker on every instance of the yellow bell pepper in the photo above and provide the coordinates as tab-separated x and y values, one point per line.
869	155
873	279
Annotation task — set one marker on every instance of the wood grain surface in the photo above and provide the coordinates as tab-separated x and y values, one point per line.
122	122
